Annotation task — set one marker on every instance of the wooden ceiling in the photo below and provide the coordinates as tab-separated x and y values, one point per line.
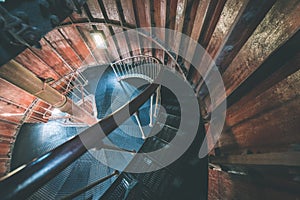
255	44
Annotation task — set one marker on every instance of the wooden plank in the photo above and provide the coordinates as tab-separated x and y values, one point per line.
231	11
36	65
179	20
112	52
7	130
143	19
196	29
274	97
159	19
171	16
77	43
281	158
63	47
99	54
229	16
276	28
191	11
10	112
212	17
128	11
4	149
252	15
244	26
51	58
95	9
272	129
111	9
15	94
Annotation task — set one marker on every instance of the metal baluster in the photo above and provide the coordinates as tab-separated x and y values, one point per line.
156	101
113	67
151	111
140	126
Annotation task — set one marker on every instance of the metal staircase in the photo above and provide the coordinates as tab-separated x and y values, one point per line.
137	133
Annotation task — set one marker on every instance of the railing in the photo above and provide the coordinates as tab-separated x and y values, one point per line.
144	67
25	180
73	86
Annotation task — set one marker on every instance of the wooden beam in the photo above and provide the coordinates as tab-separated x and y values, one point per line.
79	45
225	45
228	17
279	25
51	58
196	30
281	159
59	44
252	15
95	9
212	17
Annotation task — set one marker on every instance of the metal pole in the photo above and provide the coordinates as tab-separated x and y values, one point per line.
151	111
140	126
156	101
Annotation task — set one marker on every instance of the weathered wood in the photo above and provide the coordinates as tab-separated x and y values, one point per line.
229	16
4	149
111	9
276	28
58	42
129	15
95	9
273	128
51	58
10	112
128	11
7	130
78	44
190	14
230	13
243	27
36	65
15	94
122	42
179	20
281	158
211	19
196	30
274	97
252	15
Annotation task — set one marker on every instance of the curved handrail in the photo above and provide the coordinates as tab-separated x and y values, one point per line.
25	180
139	66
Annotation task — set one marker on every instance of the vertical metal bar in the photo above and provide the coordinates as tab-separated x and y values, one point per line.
156	101
140	126
151	111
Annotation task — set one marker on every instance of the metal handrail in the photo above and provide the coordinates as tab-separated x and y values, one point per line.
132	67
24	181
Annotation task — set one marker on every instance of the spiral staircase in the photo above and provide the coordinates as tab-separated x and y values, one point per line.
152	127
